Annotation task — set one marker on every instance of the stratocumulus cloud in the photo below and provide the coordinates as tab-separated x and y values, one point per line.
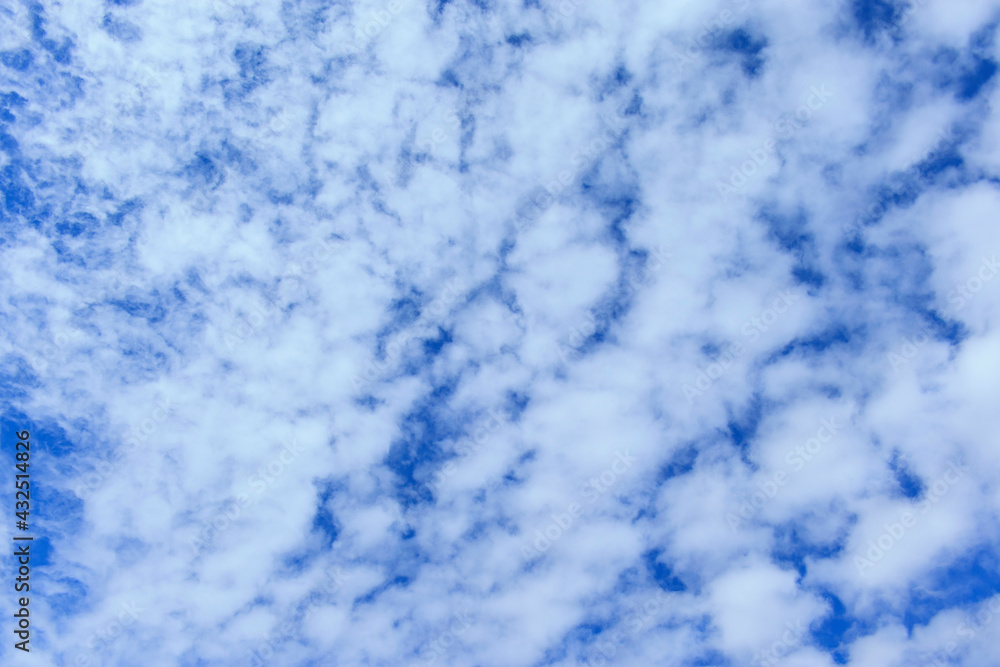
409	332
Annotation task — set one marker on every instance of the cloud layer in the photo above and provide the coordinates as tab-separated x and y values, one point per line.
494	333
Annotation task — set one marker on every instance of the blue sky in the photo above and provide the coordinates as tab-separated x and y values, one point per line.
480	333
